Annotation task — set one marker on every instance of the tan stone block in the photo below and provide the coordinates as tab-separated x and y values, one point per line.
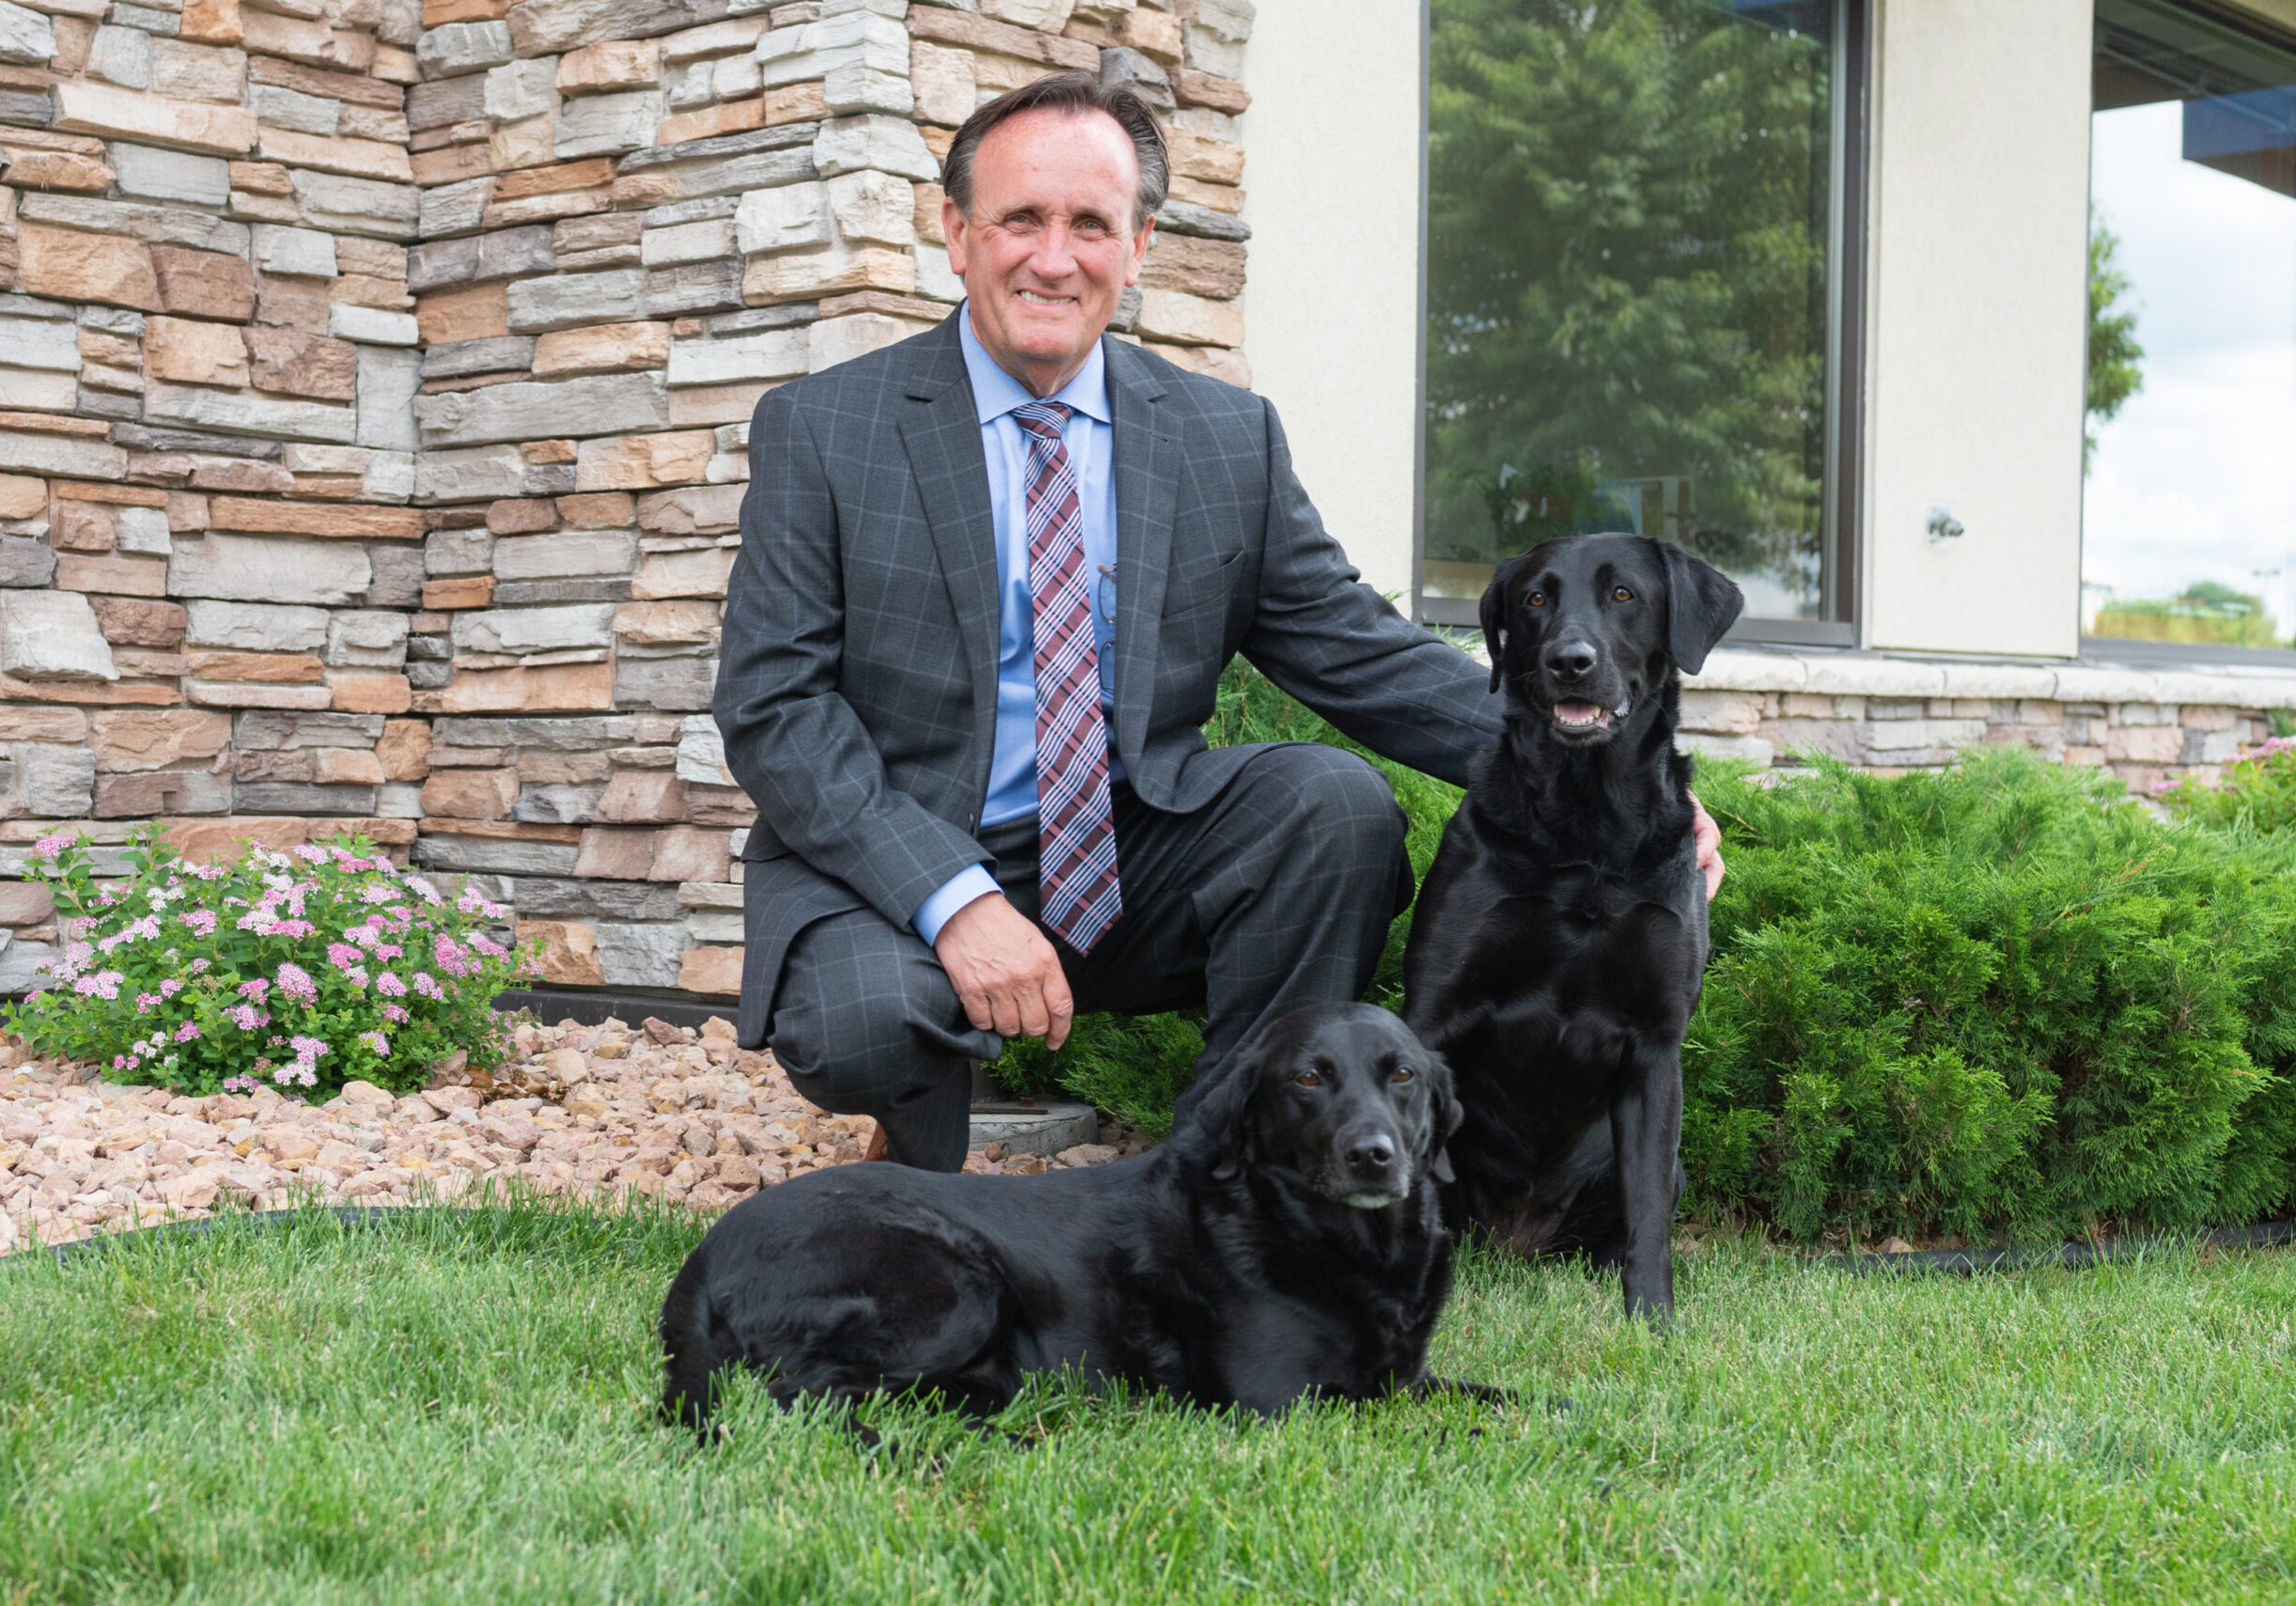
641	462
602	348
291	303
1727	713
26	722
1150	33
209	21
22	497
70	266
1211	268
796	103
733	116
1219	197
158	739
549	451
710	970
81	526
561	688
471	794
132	622
354	158
477	312
25	903
1212	161
115	574
615	64
928	221
694	406
1212	362
88	107
438	13
275	668
809	275
521	518
261	178
294	362
604	510
469	591
700	572
636	797
683	853
452	164
59	170
198	354
568	951
404	750
315	519
346	766
118	496
655	624
2141	744
204	284
369	692
1189	321
2207	716
594	174
614	855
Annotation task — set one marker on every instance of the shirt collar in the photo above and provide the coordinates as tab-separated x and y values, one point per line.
996	392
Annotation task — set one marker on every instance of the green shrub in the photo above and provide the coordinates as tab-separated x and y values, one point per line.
2257	792
304	969
1997	1001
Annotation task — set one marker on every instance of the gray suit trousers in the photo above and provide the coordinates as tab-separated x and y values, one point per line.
1276	893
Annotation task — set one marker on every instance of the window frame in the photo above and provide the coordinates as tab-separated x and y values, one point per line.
2136	650
1846	251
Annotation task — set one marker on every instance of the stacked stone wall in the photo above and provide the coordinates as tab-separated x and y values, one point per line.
375	379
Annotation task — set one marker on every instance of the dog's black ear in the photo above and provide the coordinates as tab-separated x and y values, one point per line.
1495	618
1220	1116
1702	603
1449	1112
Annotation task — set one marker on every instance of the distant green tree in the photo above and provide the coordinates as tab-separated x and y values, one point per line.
2114	355
1627	204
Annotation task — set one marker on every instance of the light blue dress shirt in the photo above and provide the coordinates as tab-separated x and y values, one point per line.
1090	437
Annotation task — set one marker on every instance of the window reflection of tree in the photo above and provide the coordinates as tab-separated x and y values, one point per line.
1627	272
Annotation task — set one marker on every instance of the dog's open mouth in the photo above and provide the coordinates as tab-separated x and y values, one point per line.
1369	1201
1586	718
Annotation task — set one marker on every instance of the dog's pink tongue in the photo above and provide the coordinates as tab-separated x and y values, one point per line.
1577	713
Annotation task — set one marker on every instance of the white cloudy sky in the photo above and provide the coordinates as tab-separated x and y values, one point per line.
2196	478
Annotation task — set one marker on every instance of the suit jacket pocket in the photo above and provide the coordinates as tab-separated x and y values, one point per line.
1191	588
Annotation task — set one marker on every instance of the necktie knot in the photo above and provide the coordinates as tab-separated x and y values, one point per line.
1042	419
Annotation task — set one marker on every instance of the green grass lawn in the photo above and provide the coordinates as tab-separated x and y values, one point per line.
462	1410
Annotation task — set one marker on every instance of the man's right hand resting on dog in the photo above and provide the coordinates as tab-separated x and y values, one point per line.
1006	974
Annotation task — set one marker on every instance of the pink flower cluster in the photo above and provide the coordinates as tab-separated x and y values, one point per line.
297	984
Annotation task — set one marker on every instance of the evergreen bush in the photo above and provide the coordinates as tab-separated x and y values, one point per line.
1999	1000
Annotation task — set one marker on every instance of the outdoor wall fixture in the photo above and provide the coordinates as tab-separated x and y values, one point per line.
1943	526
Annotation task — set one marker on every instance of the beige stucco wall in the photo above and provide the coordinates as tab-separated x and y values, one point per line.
1333	298
1977	258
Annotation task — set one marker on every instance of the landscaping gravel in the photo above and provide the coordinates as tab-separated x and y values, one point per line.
604	1111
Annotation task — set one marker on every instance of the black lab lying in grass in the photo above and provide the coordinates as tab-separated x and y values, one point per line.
1287	1244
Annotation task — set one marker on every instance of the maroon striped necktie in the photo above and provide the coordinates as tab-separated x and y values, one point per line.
1076	834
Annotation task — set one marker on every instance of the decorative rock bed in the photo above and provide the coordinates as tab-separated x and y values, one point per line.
604	1112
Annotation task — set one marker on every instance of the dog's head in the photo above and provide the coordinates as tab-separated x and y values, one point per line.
1343	1098
1585	629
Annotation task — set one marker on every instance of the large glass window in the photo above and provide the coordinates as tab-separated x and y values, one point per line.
1632	289
2189	511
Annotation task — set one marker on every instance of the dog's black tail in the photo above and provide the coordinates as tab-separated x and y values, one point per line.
696	1347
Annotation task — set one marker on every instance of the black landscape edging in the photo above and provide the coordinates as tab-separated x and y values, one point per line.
1968	1262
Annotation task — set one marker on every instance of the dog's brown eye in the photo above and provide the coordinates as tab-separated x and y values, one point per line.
1620	594
1402	1074
1307	1079
1536	598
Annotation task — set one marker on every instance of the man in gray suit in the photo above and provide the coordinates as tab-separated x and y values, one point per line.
989	579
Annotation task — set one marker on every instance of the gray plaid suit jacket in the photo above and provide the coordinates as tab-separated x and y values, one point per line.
856	688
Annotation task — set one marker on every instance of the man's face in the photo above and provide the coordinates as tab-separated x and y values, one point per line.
1049	247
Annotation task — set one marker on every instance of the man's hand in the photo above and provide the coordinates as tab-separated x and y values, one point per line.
1707	835
1006	973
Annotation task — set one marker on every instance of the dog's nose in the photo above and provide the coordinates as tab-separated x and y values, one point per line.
1371	1157
1571	661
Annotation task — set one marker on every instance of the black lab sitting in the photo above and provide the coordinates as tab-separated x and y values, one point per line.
1289	1242
1561	935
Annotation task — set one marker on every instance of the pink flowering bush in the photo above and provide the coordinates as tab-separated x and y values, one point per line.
2258	791
305	969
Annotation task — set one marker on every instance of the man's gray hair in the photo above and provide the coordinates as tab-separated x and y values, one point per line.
1071	93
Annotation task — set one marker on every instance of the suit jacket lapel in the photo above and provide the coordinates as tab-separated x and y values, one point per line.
943	437
1147	494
